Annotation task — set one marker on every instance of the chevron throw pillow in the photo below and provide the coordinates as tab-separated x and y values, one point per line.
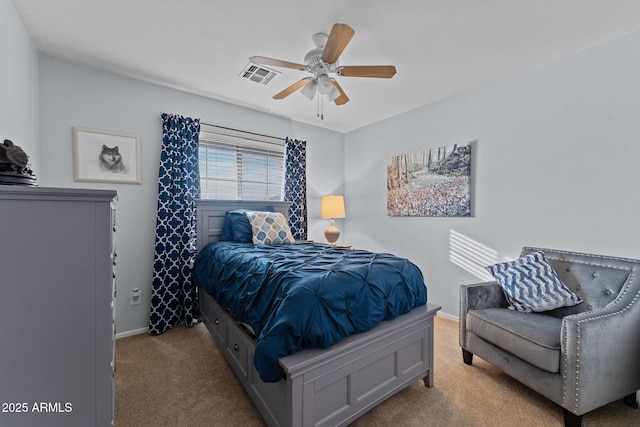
531	284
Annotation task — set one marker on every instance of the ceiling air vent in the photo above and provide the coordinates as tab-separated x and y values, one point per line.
258	73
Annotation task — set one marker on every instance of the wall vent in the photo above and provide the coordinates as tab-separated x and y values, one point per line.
258	73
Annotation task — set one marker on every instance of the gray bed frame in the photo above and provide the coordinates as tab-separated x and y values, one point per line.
323	387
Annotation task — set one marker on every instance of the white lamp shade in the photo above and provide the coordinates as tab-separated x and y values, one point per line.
324	84
332	207
309	90
333	93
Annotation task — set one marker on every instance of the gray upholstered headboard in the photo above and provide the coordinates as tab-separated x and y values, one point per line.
210	215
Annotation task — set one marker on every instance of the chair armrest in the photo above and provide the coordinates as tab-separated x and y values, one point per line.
481	295
601	353
477	297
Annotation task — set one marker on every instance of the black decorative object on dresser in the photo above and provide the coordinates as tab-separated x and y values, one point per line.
56	310
14	165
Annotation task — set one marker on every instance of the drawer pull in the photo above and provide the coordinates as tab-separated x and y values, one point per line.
217	322
236	348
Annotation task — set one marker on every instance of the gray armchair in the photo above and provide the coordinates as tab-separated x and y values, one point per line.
580	357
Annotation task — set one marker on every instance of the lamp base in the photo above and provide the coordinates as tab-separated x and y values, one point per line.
332	234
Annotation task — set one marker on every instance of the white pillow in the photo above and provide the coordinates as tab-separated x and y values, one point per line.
531	284
270	228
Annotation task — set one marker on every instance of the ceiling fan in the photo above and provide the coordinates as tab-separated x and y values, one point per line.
323	61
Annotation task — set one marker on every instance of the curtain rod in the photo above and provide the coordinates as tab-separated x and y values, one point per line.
243	131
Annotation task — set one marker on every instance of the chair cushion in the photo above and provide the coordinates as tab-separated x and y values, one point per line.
533	337
531	284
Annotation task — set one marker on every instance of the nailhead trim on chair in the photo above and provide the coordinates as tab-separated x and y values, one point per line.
564	355
595	264
577	388
565	365
558	256
579	323
555	251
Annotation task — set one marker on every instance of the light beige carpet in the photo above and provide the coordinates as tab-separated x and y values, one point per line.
180	379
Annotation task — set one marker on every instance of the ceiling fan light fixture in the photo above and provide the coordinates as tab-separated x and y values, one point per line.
333	93
321	62
325	84
309	90
319	39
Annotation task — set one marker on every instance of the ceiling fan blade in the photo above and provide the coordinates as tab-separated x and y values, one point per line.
262	60
340	36
379	71
342	99
294	87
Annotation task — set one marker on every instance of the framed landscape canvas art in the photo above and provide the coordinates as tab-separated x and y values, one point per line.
434	182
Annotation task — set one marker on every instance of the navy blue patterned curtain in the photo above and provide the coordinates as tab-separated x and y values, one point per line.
295	186
174	298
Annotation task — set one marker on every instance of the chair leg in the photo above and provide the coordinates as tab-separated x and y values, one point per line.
571	419
631	400
467	356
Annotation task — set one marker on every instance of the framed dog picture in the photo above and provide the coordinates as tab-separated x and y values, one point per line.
103	156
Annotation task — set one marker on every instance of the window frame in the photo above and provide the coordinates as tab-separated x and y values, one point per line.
244	144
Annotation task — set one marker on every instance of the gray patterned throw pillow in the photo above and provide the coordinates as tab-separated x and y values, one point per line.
270	228
531	284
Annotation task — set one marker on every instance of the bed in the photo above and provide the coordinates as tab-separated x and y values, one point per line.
320	386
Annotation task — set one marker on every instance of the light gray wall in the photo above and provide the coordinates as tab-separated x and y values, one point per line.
18	84
556	164
73	95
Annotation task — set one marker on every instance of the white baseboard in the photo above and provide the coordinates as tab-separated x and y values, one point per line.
448	316
132	332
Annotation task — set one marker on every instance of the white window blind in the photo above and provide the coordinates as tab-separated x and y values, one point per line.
236	165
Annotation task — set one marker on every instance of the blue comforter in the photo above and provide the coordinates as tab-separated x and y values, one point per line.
305	295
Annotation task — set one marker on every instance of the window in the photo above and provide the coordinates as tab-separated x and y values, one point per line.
237	165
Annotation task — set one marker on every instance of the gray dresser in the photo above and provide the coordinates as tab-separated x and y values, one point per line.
57	282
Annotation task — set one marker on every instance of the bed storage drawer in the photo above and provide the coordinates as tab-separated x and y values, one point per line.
214	320
237	349
233	341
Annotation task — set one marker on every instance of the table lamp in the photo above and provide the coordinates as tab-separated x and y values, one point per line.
332	207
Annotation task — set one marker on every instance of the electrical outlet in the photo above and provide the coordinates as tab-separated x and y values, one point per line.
136	296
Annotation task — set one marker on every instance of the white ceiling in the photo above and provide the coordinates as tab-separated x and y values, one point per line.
439	47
